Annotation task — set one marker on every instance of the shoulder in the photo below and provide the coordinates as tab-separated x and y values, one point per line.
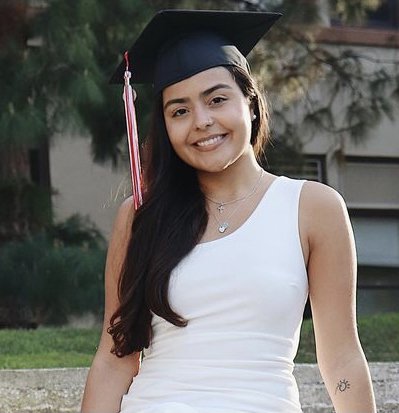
323	209
316	195
123	220
125	212
120	237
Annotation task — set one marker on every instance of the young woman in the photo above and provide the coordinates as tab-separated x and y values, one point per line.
210	276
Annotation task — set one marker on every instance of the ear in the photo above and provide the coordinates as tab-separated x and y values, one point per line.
251	107
252	104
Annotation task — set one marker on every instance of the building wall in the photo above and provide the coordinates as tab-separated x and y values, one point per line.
84	187
367	175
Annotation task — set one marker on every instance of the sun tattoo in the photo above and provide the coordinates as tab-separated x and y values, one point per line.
342	386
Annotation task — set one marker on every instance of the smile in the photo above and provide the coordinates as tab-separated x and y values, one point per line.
212	140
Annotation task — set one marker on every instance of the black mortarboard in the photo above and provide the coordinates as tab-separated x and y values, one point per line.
177	44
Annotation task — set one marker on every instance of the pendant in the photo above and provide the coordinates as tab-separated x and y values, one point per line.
222	227
221	208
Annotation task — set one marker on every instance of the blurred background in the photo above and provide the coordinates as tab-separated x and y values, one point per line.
330	72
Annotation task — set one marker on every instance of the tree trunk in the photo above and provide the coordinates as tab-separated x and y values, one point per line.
25	205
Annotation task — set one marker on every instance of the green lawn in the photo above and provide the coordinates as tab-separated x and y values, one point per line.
47	347
379	336
66	347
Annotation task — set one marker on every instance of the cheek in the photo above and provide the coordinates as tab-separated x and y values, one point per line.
241	120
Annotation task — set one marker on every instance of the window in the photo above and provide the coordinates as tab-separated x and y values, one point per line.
370	188
312	169
377	240
370	183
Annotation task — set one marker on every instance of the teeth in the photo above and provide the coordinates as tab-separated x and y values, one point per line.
210	141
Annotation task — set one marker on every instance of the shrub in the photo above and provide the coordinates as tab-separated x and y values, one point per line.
43	279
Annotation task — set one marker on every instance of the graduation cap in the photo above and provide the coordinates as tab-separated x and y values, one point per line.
177	44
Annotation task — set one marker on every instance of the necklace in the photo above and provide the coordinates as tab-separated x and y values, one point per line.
223	225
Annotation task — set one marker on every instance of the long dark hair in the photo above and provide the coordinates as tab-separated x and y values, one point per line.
167	227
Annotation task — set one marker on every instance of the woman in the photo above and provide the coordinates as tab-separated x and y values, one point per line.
213	271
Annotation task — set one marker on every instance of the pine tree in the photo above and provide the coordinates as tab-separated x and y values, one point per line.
56	58
55	61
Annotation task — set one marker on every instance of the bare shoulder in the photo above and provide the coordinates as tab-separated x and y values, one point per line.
124	219
125	212
120	235
322	209
316	195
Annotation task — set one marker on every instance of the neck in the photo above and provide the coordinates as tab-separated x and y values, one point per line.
230	183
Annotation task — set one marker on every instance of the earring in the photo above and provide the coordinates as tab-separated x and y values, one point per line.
254	117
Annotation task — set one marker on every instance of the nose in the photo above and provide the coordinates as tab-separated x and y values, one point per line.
203	119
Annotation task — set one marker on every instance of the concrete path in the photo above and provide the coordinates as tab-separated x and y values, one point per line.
60	390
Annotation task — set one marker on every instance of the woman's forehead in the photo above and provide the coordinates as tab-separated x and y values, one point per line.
200	83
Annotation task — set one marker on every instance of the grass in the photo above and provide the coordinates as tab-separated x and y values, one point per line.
49	347
379	335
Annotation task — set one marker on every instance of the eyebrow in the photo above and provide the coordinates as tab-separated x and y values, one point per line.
205	93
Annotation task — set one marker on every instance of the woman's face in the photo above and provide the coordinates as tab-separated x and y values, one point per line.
208	120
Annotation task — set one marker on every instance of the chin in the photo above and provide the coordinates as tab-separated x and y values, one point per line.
212	168
218	164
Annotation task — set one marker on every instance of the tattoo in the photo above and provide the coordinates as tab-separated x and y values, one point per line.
342	386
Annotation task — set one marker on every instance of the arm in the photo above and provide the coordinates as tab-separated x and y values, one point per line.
109	376
332	289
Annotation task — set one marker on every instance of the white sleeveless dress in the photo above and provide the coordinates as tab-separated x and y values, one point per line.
244	297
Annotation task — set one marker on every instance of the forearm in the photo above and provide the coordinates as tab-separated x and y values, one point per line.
349	385
104	389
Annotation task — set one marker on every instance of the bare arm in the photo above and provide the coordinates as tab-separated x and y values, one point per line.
109	376
332	272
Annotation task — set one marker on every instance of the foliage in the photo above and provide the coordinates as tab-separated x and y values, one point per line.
354	11
315	88
23	205
82	43
47	277
56	58
63	82
55	61
77	231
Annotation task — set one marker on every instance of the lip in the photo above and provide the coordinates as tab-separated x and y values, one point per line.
210	146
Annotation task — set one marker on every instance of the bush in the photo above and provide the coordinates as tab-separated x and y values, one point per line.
78	231
25	207
43	280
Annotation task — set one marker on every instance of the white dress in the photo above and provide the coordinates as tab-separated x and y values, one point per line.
244	297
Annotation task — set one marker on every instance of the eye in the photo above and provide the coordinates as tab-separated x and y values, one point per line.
179	112
217	100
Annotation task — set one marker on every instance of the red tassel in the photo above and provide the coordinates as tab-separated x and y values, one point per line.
133	139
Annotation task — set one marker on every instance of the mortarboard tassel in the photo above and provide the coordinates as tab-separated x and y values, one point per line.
133	139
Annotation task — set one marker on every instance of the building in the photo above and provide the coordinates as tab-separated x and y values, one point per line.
367	174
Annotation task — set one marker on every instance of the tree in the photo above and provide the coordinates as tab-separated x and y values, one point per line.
56	59
341	92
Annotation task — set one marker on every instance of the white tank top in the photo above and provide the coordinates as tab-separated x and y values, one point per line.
244	297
